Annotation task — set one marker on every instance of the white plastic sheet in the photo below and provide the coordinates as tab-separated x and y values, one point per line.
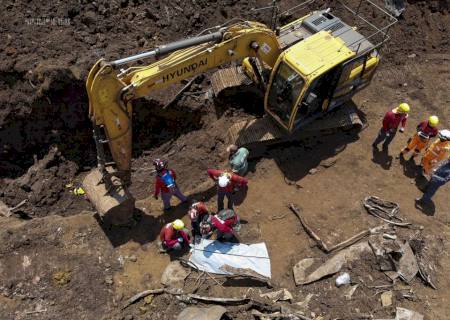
211	255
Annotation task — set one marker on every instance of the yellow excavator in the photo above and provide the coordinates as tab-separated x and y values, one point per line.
304	69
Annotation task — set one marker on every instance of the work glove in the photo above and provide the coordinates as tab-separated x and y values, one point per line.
402	130
180	240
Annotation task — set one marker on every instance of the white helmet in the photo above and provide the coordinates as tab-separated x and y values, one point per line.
224	180
444	135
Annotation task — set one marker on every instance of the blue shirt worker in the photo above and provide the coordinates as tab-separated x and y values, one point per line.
238	159
440	177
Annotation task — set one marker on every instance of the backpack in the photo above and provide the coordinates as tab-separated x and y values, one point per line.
168	179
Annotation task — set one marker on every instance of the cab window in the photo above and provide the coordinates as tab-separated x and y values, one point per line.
286	87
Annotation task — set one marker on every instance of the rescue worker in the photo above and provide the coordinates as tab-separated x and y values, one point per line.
165	184
227	184
436	152
440	177
197	211
391	121
237	158
425	131
173	236
225	223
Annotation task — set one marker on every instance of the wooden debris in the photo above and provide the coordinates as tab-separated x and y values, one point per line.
344	244
378	207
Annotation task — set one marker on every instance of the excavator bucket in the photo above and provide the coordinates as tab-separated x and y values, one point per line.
114	205
395	7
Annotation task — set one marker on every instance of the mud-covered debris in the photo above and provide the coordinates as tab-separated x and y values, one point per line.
405	314
109	280
62	278
331	266
280	295
196	313
386	298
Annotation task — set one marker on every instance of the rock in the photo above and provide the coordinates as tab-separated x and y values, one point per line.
132	258
300	269
109	280
4	210
143	310
62	277
331	266
405	314
174	275
412	55
386	298
129	317
313	171
149	299
350	292
195	313
89	18
329	162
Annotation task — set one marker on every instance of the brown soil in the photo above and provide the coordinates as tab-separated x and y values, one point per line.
46	146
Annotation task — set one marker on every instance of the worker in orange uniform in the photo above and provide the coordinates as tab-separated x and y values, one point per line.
436	152
425	131
173	236
391	121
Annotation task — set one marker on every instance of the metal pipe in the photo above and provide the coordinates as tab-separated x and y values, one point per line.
171	47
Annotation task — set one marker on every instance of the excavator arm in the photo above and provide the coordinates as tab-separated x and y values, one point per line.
111	91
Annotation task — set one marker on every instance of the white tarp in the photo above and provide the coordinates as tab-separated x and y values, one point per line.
214	256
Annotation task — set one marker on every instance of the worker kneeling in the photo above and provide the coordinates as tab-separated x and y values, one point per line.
425	131
174	236
225	223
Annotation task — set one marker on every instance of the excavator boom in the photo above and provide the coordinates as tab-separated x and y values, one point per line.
111	91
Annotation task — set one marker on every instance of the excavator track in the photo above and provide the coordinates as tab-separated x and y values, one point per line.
259	133
228	82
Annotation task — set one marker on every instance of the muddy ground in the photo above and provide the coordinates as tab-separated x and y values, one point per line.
57	260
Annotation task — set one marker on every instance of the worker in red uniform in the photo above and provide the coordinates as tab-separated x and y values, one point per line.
391	122
227	184
165	184
425	131
225	223
173	236
197	212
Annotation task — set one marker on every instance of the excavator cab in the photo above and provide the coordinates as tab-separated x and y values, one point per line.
318	74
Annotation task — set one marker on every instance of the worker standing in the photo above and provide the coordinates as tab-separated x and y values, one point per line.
425	131
237	158
440	177
197	211
227	184
165	184
173	236
391	122
436	152
225	223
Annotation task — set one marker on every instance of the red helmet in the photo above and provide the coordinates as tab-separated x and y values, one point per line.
159	164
